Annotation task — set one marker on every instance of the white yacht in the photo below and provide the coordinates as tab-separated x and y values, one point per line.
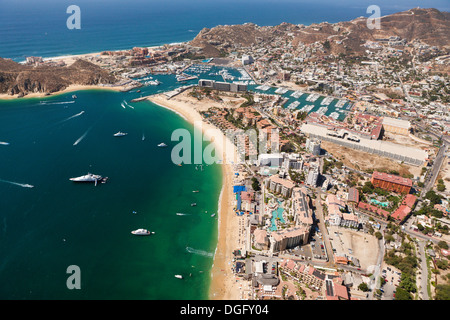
141	232
120	134
90	178
162	144
178	276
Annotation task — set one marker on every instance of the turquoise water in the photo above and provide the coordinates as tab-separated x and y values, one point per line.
277	214
332	107
383	204
58	223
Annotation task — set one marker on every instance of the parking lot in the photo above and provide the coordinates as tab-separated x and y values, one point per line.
359	247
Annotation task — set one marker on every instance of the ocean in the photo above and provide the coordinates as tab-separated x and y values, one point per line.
57	223
48	223
39	28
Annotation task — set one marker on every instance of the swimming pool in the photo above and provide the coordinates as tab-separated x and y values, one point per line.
383	204
276	214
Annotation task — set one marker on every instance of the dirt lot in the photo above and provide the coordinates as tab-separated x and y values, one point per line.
360	245
363	161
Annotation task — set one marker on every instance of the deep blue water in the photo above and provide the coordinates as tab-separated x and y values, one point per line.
38	28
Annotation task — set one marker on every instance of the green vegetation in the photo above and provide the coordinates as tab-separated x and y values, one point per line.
440	186
404	259
297	177
363	287
255	184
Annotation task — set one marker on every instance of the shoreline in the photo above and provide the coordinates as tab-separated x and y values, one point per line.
71	88
223	285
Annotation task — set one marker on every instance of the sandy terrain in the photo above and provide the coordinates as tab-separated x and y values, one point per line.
224	284
364	246
363	161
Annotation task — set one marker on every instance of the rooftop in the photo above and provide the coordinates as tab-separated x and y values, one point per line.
392	178
396	122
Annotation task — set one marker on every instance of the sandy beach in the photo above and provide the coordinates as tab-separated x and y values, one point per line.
71	88
223	283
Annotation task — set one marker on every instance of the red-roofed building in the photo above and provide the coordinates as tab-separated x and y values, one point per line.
401	213
340	260
335	290
353	195
409	200
391	182
373	209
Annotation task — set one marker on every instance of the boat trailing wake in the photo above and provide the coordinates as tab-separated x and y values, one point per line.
4	143
61	102
125	104
23	185
182	214
199	252
82	137
74	116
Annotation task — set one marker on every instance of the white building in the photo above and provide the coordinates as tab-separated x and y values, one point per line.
246	59
312	178
270	159
313	146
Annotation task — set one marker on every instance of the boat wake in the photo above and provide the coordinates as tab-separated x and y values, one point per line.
23	185
125	104
74	116
82	137
61	102
199	252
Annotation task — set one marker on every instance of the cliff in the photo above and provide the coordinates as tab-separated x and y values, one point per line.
429	26
21	79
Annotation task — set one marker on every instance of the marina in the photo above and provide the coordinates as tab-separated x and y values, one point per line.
293	105
297	94
313	97
326	101
281	90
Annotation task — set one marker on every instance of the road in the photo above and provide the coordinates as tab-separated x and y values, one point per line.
423	292
437	164
376	275
323	229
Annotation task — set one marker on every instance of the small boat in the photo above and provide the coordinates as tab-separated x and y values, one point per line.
213	215
90	178
120	134
179	164
153	83
178	276
141	232
162	144
193	204
74	96
4	143
195	191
